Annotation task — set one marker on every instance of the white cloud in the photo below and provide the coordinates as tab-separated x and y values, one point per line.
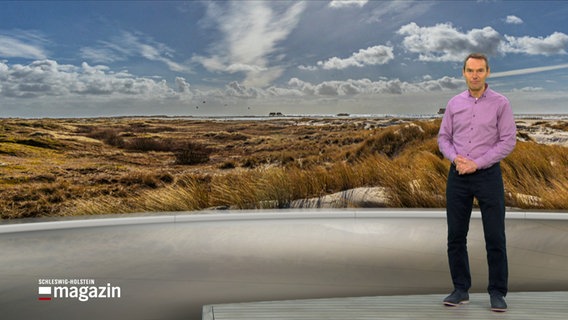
250	35
183	87
528	89
307	68
513	20
213	63
347	3
519	72
127	45
22	44
556	43
371	56
44	78
48	78
235	89
443	42
368	87
241	67
97	90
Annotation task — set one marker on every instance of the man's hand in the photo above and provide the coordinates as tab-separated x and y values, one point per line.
465	165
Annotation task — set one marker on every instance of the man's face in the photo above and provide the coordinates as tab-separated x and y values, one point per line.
475	73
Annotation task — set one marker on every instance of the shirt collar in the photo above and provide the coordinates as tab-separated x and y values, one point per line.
484	95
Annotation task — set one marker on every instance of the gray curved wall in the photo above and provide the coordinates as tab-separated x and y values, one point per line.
169	265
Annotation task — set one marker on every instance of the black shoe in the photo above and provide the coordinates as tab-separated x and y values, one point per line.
456	298
498	303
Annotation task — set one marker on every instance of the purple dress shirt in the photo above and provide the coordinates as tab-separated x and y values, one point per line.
482	130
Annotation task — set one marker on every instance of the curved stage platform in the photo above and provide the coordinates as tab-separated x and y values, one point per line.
168	266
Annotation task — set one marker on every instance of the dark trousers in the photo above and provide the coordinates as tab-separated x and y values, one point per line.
487	186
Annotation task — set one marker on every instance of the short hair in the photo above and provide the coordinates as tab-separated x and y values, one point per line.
477	56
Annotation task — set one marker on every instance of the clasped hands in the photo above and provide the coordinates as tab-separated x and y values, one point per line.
465	165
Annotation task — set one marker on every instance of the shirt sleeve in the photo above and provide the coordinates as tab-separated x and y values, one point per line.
445	140
507	138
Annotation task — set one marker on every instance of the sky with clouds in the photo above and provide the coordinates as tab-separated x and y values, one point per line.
200	58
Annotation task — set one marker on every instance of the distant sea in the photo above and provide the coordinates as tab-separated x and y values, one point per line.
355	116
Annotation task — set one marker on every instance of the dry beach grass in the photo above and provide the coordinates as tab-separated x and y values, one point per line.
54	167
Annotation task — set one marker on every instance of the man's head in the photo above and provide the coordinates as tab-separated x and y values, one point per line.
475	71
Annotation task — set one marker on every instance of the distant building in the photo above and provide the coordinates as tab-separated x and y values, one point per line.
275	114
442	111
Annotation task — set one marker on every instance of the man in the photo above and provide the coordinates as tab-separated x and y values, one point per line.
478	130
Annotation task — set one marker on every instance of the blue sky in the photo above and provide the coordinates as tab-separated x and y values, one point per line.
107	58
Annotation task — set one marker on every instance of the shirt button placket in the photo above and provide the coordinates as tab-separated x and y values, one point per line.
471	130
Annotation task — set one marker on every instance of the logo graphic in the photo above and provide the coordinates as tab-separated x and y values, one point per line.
44	291
79	289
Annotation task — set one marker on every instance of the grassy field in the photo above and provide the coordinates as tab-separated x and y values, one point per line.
55	167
